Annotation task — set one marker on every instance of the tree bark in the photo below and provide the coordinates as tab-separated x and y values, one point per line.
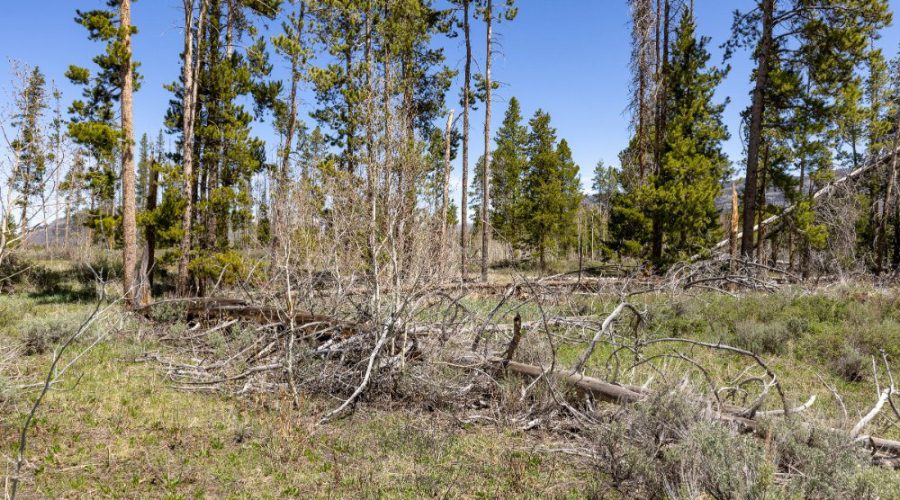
761	212
129	224
733	228
657	220
464	202
888	203
486	171
188	110
371	161
445	199
755	133
149	258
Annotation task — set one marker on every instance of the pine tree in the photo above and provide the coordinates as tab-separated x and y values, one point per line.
129	204
489	15
822	41
467	102
338	84
509	163
143	169
185	108
30	144
291	45
93	125
551	187
605	184
683	193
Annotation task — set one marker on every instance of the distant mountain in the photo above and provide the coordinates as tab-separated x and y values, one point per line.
53	232
773	196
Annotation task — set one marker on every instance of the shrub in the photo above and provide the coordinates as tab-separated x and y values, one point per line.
42	332
229	267
168	312
850	365
713	460
821	463
667	447
6	390
762	338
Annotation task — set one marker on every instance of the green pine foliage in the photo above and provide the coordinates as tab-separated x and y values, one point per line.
551	188
93	125
509	163
30	144
683	193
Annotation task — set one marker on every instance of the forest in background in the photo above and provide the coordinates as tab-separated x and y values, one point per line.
688	325
383	131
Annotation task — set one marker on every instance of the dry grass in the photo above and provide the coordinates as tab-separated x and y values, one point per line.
114	427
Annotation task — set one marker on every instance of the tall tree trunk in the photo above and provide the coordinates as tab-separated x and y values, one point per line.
486	170
23	222
733	229
445	199
757	108
388	140
284	173
464	202
149	258
350	146
661	114
371	161
895	260
189	98
129	224
888	203
68	217
761	212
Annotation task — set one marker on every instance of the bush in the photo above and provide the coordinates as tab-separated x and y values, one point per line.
714	460
667	447
768	338
42	332
821	463
229	267
168	312
851	365
6	389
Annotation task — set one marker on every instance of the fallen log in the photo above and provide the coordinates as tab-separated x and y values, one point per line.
600	389
625	394
227	309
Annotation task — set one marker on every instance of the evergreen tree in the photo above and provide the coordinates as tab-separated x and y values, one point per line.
683	192
94	126
551	187
30	144
337	85
822	41
143	169
604	184
509	163
466	101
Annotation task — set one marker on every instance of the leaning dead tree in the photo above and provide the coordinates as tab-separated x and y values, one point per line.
773	221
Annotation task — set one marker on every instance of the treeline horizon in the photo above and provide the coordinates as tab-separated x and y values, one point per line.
369	170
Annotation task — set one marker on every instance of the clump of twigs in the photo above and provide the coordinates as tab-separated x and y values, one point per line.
575	365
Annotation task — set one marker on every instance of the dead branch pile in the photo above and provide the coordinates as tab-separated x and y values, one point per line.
445	349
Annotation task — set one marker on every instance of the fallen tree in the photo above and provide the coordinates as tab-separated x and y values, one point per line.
821	193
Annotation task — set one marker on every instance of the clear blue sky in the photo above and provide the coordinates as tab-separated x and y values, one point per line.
568	57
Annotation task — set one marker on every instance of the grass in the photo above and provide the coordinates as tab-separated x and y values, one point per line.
802	336
115	428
